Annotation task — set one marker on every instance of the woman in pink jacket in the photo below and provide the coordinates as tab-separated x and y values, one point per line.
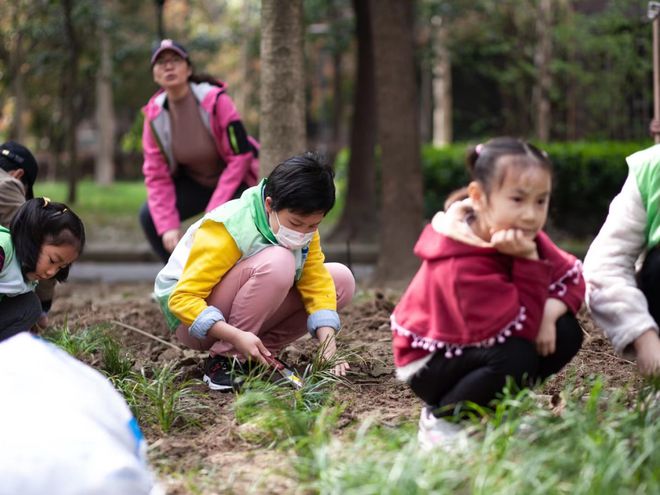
197	154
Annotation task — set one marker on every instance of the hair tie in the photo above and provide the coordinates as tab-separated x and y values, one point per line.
479	148
46	201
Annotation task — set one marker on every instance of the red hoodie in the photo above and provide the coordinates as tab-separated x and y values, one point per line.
467	295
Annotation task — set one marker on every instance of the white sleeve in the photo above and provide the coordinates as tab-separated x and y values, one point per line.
616	303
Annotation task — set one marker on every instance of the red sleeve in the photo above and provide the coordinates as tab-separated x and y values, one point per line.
499	292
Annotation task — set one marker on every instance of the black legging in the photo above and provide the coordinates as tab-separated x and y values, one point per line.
191	199
480	373
649	282
18	314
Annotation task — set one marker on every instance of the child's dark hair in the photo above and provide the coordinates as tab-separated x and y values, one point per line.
40	221
303	184
482	160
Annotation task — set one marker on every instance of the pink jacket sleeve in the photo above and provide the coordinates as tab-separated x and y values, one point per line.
161	194
242	167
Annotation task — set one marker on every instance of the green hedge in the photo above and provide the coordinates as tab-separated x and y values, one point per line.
587	177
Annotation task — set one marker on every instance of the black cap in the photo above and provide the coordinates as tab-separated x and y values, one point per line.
171	45
14	156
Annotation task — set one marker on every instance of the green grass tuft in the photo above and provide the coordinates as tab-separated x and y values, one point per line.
161	397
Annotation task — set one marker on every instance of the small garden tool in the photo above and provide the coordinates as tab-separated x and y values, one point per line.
287	373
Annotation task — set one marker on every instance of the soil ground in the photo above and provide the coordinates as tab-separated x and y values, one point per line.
216	449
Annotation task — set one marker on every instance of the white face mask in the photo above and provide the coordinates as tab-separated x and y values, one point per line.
291	239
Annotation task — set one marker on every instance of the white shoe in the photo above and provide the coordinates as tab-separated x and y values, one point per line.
437	432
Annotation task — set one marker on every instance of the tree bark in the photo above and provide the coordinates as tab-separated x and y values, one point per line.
104	170
398	135
282	128
70	81
160	25
424	46
542	58
244	89
571	84
14	58
442	108
359	220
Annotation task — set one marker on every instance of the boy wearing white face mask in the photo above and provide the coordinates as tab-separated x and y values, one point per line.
249	277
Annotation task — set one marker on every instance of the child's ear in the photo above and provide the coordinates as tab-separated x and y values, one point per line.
17	173
477	195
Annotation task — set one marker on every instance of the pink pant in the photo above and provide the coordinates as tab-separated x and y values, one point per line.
257	295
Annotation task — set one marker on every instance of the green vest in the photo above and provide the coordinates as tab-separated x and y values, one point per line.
645	165
12	282
246	221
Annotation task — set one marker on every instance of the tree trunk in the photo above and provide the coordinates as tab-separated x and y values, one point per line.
442	108
15	59
282	128
70	82
160	27
425	77
104	169
244	89
398	135
359	220
17	129
337	105
542	59
337	93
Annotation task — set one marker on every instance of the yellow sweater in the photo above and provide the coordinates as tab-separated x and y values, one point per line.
214	252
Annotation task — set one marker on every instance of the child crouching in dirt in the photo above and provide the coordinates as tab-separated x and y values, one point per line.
250	278
42	241
494	297
624	300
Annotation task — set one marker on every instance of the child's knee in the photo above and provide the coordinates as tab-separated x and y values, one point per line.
344	283
569	335
278	265
521	361
32	310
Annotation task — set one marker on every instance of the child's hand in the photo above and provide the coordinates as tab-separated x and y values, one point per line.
251	346
326	337
170	239
514	243
546	340
41	325
647	346
247	343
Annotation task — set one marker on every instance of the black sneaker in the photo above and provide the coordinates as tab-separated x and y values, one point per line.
222	373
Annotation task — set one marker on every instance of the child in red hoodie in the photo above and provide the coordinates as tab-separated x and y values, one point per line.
494	297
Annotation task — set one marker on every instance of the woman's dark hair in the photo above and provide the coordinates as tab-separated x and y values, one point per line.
303	184
40	221
203	78
483	160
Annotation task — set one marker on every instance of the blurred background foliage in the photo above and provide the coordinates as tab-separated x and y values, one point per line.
599	86
600	67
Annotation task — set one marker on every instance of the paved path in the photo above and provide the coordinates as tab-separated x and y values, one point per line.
112	272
